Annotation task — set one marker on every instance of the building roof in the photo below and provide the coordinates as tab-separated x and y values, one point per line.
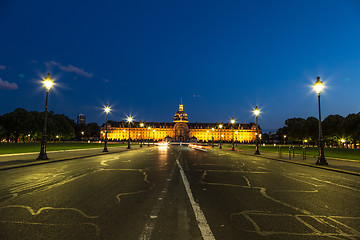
180	115
196	125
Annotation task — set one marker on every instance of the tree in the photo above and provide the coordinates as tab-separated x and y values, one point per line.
265	137
37	125
16	124
351	125
281	132
20	123
333	129
311	130
295	129
92	130
63	127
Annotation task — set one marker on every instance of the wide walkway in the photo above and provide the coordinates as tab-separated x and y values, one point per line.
9	161
346	166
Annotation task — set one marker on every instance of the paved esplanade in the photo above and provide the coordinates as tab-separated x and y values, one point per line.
177	193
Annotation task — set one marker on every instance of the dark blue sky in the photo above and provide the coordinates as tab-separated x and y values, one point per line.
222	57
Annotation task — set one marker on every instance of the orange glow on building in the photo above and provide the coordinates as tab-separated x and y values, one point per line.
181	130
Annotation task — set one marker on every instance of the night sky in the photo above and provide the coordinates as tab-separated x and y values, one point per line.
222	58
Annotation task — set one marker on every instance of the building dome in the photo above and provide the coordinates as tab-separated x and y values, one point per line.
180	115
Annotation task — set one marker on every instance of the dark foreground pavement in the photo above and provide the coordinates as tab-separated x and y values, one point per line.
177	193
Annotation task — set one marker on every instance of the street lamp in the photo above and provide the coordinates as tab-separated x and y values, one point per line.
141	125
212	144
343	142
220	127
149	128
48	82
232	127
318	87
256	113
284	139
107	110
207	137
237	137
129	120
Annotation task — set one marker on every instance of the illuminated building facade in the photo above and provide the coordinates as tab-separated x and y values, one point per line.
181	130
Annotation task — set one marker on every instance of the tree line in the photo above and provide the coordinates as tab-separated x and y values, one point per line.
334	127
23	125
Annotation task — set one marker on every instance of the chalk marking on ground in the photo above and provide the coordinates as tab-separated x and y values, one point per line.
150	222
339	185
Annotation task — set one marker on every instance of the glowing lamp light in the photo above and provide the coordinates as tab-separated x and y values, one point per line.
48	82
318	86
232	121
256	111
149	128
213	129
220	126
107	108
342	140
129	119
141	124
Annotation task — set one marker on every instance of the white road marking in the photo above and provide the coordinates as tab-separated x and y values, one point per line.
205	230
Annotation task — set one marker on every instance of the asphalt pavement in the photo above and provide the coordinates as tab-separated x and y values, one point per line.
174	193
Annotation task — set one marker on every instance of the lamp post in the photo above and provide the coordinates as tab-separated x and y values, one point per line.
232	128
318	87
207	137
343	142
107	110
141	125
236	133
129	120
256	113
48	82
149	128
220	127
212	144
284	139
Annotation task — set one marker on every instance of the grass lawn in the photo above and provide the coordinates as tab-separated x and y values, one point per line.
345	153
8	148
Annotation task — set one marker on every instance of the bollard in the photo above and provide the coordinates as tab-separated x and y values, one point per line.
293	151
289	152
280	152
304	152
